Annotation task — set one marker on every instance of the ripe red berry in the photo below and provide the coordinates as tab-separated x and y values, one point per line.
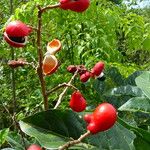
88	117
76	5
77	102
34	147
72	69
85	76
104	117
16	33
98	68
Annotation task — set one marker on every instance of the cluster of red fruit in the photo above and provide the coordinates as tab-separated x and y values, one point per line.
105	114
96	71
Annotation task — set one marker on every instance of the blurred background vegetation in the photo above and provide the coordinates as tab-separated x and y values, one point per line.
109	30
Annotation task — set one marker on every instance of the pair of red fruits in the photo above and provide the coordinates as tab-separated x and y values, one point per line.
85	75
103	118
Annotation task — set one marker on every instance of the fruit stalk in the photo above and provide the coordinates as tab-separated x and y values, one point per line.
60	86
71	143
50	7
64	91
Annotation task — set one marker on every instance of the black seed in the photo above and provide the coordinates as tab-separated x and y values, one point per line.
102	78
18	39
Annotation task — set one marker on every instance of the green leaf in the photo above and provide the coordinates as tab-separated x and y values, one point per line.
138	131
143	82
99	86
136	104
146	44
117	137
45	137
3	135
131	79
141	144
115	75
15	140
125	90
54	128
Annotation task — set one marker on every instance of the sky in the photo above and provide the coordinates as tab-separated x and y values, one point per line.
140	3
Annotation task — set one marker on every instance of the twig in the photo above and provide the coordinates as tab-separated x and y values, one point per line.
50	7
64	91
60	86
71	143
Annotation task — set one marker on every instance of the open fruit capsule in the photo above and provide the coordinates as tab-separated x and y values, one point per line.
54	46
16	33
50	64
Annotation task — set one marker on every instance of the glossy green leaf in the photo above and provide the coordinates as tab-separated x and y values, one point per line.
53	128
143	82
136	104
145	135
131	79
117	137
125	90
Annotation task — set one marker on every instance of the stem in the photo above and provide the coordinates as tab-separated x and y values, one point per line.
64	91
71	143
13	84
40	55
60	86
50	7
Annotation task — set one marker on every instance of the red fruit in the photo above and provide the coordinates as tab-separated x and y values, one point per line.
16	33
104	117
74	5
17	29
34	147
77	102
97	69
85	76
72	69
88	117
